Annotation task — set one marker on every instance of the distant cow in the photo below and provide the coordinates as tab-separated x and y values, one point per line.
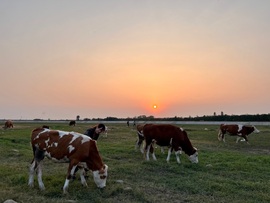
168	135
8	124
242	131
72	123
71	147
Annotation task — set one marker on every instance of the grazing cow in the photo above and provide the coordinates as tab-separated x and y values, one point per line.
8	124
72	123
242	131
168	135
72	147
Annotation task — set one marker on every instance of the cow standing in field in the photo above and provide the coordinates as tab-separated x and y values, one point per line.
241	131
168	135
8	124
72	123
71	147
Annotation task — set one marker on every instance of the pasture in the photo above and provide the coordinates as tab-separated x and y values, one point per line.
226	172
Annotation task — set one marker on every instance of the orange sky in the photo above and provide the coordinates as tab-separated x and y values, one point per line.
119	58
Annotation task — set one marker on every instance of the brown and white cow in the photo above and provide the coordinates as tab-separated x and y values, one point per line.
8	124
72	147
242	131
168	135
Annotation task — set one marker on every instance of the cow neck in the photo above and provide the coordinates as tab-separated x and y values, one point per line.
95	162
187	146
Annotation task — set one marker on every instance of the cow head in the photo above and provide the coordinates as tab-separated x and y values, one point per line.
194	157
100	176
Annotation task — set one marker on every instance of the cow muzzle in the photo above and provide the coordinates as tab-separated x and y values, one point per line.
100	176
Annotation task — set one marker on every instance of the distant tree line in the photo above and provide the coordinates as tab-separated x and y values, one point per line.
225	117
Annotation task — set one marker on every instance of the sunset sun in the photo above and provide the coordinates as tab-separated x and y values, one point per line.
154	106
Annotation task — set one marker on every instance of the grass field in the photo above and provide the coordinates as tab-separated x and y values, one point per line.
226	172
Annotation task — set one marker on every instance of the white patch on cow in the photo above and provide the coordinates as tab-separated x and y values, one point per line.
77	135
62	133
181	129
240	127
44	130
171	141
47	142
48	155
70	148
100	178
55	144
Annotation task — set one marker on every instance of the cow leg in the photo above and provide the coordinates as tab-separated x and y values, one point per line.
245	137
169	154
223	137
177	156
36	165
162	150
141	147
71	170
153	153
39	176
82	175
32	169
147	150
238	138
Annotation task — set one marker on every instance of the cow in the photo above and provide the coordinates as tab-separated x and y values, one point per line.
241	131
72	123
168	135
8	124
74	148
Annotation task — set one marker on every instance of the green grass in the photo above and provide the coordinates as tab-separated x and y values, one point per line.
226	172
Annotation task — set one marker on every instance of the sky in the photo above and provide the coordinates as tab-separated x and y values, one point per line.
98	59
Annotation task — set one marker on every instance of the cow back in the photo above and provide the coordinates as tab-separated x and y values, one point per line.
60	145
